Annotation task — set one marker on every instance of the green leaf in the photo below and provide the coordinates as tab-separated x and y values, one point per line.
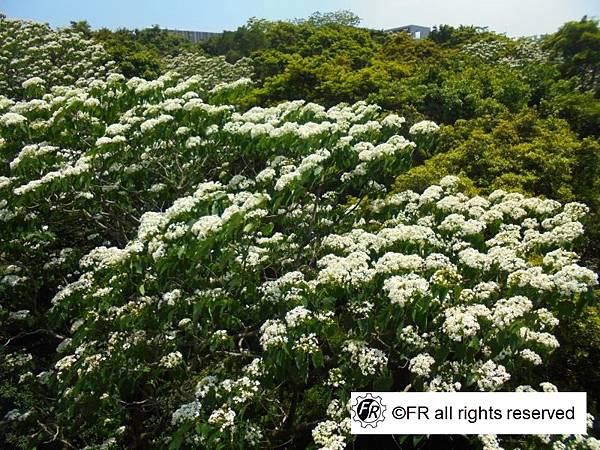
267	229
317	359
383	383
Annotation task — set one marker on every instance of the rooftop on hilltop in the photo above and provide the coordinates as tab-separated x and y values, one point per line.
195	36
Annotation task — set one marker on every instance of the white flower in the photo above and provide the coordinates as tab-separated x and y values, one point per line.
222	417
507	310
439	384
171	360
548	387
296	316
463	321
403	288
307	343
394	262
220	335
65	363
34	81
205	385
328	435
491	376
9	119
206	226
573	279
531	356
542	338
189	411
546	318
393	121
449	181
369	360
369	152
273	333
424	127
336	378
421	364
490	442
559	258
352	270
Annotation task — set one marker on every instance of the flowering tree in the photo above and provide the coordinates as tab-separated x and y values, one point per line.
32	55
255	313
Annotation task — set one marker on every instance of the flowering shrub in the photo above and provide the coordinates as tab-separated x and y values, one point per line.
515	53
218	68
104	167
259	301
108	151
33	57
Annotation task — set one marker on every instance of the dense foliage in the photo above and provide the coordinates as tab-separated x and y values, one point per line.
32	50
141	52
213	251
520	152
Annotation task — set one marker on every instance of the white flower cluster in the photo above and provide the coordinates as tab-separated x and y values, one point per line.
307	343
421	364
188	411
350	270
273	333
331	435
403	288
35	56
507	310
531	356
491	376
424	127
462	322
369	360
171	360
223	417
297	315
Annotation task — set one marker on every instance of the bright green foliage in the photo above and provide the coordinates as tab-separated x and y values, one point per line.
344	18
140	52
580	109
578	44
456	73
522	152
449	36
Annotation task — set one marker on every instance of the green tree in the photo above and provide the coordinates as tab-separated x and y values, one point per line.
450	36
82	26
343	18
578	45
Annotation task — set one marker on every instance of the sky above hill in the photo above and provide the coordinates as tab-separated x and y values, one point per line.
513	17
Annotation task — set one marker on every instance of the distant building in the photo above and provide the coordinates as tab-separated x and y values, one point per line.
416	31
195	36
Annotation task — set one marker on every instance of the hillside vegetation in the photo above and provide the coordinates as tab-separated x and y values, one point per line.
211	245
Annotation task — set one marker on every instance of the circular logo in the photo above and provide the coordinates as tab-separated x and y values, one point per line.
368	411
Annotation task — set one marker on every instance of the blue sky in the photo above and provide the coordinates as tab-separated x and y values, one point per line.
514	17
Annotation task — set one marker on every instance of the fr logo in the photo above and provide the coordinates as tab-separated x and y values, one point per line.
368	411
